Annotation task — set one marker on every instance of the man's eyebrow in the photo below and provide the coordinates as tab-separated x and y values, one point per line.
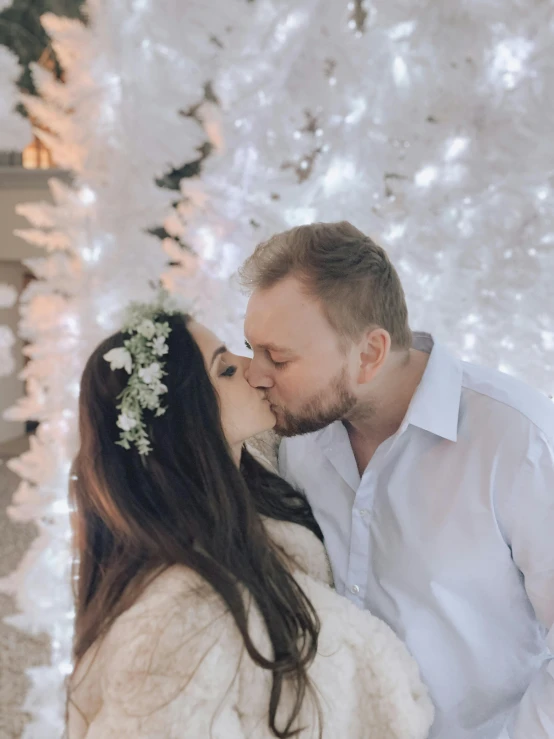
270	347
274	348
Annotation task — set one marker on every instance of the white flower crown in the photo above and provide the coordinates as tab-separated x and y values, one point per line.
140	356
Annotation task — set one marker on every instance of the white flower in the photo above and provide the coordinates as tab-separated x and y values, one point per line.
125	422
159	346
151	373
147	328
119	358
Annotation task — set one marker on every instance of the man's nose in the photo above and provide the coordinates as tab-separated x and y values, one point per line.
255	375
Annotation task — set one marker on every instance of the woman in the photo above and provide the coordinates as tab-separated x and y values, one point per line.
203	606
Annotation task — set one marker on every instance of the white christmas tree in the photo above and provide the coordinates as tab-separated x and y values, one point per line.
116	124
426	126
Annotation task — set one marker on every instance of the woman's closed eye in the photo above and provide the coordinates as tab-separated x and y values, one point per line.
228	371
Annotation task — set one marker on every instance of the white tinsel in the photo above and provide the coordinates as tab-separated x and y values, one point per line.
116	125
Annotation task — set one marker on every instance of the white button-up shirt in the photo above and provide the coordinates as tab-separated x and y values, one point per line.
448	536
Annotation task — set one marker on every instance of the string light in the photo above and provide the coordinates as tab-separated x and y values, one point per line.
426	176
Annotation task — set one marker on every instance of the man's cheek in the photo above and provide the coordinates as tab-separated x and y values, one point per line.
289	390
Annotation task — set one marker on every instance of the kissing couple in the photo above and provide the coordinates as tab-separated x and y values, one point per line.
385	572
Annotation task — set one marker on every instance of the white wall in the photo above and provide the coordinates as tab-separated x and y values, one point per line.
11	387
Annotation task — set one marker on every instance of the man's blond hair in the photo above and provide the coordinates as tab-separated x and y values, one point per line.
349	274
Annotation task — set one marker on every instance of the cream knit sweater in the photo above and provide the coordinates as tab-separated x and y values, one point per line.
174	666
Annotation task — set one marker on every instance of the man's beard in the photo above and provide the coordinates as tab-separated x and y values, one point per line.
329	405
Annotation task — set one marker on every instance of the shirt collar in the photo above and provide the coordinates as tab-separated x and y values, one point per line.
435	406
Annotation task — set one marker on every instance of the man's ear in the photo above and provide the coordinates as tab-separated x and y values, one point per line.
374	350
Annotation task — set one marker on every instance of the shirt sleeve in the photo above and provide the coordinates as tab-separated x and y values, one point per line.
529	525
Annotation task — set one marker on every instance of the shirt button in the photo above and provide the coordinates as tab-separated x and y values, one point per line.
355	589
364	512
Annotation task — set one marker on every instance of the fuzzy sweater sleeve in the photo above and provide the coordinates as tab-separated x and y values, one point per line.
374	682
169	669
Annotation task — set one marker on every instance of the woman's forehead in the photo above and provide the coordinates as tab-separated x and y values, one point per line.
207	341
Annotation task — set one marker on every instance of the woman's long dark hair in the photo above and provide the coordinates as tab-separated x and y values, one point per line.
185	503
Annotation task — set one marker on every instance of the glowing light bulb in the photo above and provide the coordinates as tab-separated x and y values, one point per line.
300	216
455	147
87	195
340	171
60	507
469	341
359	107
91	254
508	60
395	231
426	176
208	243
401	30
547	338
400	71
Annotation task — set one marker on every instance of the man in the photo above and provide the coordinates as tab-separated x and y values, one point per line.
431	478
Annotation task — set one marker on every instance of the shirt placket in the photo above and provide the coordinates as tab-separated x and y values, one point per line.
358	560
362	511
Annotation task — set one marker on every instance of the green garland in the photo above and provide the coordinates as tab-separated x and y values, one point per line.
141	357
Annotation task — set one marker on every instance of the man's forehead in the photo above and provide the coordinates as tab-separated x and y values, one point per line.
282	317
280	336
285	293
273	332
